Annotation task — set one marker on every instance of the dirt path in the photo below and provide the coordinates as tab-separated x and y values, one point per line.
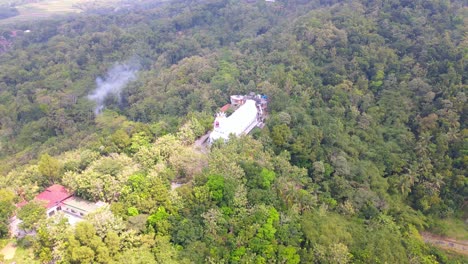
9	251
458	246
201	144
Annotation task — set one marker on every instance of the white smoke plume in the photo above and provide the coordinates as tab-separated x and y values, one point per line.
112	84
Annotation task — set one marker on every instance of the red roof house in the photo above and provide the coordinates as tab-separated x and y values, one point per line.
21	204
225	108
57	198
54	195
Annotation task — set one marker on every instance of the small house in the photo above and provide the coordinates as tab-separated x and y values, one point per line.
76	208
57	198
53	196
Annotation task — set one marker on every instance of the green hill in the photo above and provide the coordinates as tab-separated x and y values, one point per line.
365	143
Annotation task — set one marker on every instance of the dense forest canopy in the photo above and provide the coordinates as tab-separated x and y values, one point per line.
366	143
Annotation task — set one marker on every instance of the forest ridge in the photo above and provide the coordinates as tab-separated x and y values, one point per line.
365	145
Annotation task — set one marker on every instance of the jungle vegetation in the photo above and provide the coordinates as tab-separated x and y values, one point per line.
366	143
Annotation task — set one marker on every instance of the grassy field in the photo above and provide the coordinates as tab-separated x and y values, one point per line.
451	227
22	254
456	228
50	8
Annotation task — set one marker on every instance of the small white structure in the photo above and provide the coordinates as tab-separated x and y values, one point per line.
76	209
242	121
237	100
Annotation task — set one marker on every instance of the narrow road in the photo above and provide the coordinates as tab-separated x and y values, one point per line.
201	144
458	246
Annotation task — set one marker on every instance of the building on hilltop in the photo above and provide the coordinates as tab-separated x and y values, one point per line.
76	208
250	111
57	198
53	196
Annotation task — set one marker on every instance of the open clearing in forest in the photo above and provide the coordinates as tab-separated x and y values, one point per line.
50	8
458	246
9	251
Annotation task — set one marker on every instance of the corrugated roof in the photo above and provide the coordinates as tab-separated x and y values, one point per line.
82	205
53	195
21	204
225	108
237	123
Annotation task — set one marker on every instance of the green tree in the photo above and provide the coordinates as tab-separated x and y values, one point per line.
50	168
216	185
159	221
137	256
280	135
51	239
31	214
82	254
7	208
288	255
121	140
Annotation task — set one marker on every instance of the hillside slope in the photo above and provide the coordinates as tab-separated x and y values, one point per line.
365	144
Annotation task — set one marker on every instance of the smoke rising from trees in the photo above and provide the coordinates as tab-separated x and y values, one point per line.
113	83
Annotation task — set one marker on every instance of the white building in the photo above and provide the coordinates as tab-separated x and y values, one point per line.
242	121
76	209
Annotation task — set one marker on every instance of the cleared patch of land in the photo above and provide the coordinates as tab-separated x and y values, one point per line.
456	228
446	243
51	8
9	251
